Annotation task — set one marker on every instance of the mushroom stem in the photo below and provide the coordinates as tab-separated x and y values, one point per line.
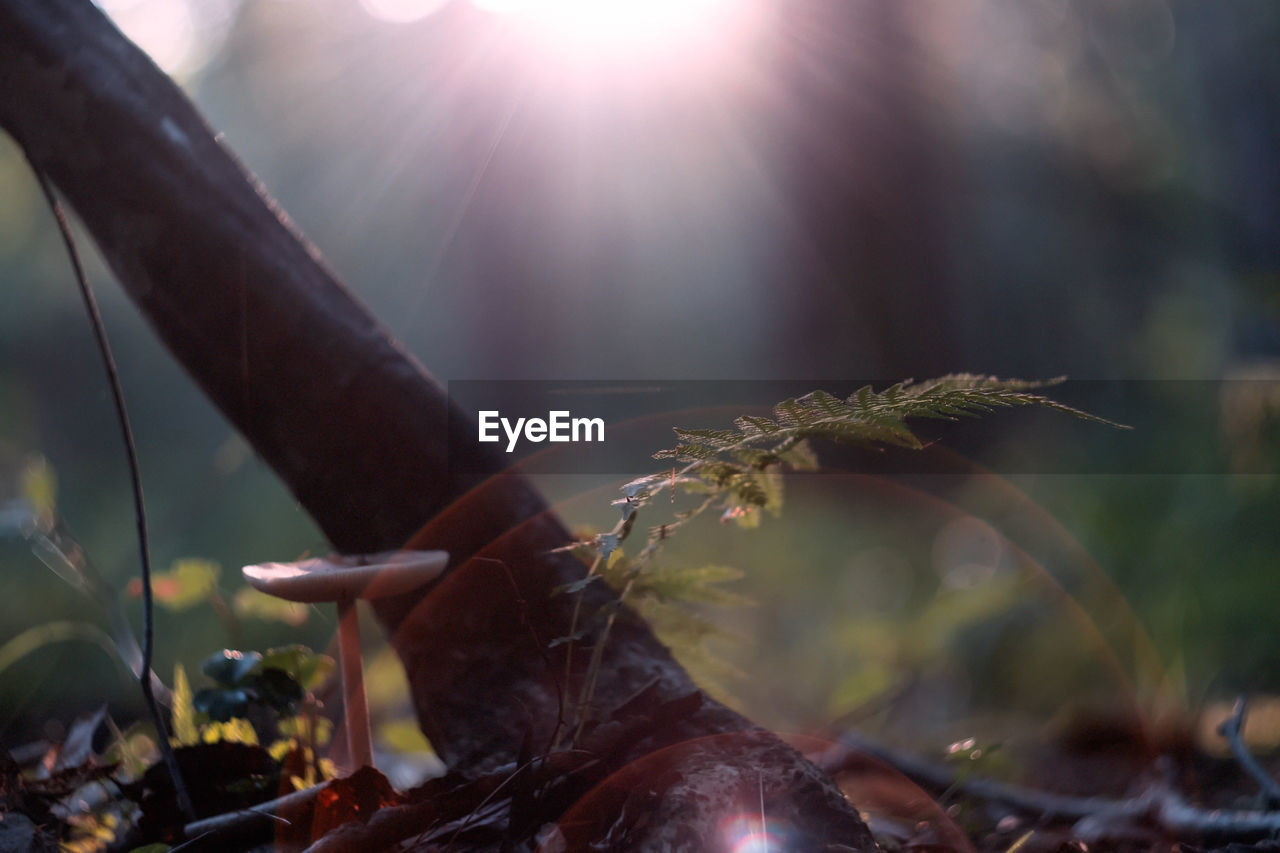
343	580
359	738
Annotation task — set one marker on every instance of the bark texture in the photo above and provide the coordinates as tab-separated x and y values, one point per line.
360	433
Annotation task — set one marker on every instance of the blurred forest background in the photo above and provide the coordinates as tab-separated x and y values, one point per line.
811	190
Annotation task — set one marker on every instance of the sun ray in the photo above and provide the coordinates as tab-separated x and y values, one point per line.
613	27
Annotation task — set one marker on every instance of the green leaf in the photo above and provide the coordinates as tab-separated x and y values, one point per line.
308	668
230	667
700	584
134	750
183	715
221	703
276	689
44	634
722	460
717	438
402	736
38	486
754	427
385	681
678	626
606	544
738	473
800	456
235	730
933	630
188	583
617	570
300	727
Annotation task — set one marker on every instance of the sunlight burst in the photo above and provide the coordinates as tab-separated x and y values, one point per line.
401	11
748	833
607	26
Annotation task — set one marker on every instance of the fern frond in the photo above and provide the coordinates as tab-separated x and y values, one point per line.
685	585
738	471
866	416
726	462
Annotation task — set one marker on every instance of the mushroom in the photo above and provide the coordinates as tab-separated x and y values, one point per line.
343	579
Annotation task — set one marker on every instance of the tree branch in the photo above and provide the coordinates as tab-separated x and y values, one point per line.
360	433
1093	817
227	282
1232	729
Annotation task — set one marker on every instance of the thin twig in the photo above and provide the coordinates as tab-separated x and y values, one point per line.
476	813
1233	730
1094	816
135	480
568	652
219	832
938	777
597	660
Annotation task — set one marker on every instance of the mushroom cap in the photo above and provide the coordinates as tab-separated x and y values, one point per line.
344	578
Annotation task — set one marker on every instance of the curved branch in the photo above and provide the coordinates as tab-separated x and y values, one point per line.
355	426
338	409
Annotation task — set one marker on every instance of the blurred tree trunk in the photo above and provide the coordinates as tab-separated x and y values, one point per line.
362	435
863	161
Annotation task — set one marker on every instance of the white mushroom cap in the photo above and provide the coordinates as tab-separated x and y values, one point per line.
342	578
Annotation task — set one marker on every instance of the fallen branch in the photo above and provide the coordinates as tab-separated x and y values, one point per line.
1093	817
296	819
247	826
1233	730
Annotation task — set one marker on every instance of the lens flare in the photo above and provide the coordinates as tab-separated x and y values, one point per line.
750	834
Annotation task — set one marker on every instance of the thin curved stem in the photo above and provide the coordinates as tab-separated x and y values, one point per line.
135	480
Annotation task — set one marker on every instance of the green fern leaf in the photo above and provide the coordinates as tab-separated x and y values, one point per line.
738	473
723	463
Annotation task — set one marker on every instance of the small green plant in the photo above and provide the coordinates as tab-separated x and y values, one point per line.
274	687
739	473
244	679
